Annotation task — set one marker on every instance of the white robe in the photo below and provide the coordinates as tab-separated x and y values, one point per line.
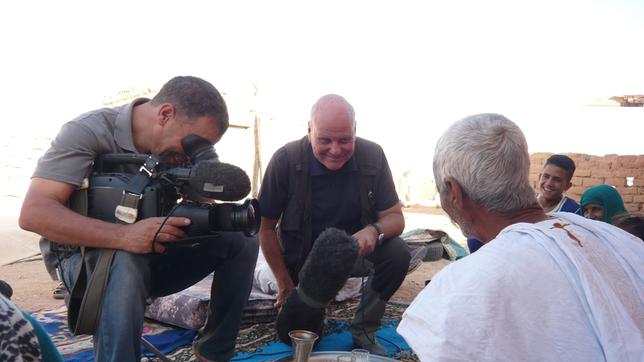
535	294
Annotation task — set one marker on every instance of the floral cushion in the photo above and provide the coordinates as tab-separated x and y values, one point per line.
189	307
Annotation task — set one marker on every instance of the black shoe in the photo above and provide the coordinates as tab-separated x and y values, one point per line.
364	341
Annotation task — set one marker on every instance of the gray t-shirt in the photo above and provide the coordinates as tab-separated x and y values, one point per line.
71	155
80	141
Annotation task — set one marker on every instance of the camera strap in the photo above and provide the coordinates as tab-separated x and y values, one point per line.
128	209
86	297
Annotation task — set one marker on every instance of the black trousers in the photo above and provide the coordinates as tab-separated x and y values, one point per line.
390	264
387	267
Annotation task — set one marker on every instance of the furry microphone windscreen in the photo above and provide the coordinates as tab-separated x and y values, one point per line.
328	265
327	268
219	181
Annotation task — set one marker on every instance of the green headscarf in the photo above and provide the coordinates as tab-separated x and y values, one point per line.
607	197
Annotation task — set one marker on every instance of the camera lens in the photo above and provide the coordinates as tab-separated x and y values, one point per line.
245	217
236	217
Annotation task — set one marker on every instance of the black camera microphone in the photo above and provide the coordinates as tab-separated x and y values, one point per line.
219	181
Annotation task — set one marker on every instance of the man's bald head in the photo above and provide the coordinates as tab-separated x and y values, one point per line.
333	106
332	131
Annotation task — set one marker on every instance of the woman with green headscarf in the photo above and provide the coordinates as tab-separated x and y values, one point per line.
601	202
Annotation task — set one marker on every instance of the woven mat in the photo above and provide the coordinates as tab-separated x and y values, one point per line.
252	342
254	338
80	348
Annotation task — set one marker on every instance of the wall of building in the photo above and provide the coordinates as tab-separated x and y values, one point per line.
624	172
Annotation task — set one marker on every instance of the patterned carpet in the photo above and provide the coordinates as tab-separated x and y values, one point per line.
79	348
258	342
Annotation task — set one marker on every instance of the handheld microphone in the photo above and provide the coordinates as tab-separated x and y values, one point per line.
328	265
326	269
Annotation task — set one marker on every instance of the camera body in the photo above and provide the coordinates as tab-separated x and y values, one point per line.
175	191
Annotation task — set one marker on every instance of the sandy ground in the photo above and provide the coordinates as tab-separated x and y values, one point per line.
33	287
15	243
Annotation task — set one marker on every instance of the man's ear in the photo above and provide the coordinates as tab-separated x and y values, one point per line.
455	193
568	185
166	112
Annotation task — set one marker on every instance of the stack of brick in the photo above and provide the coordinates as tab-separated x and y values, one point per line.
624	172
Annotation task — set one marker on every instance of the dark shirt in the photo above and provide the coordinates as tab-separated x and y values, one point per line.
335	199
335	194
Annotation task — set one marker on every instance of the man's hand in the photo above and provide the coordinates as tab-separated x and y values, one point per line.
138	237
273	253
391	222
283	288
367	238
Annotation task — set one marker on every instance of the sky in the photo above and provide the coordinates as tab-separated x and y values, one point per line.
410	68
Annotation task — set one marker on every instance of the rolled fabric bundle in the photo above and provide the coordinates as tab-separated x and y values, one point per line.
326	269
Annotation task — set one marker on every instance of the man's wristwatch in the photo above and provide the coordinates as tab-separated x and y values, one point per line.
381	235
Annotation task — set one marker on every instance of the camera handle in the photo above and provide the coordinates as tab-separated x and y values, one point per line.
190	242
128	209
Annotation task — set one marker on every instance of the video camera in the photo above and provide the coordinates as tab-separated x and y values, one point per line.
126	187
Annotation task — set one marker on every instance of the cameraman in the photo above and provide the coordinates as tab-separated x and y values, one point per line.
140	269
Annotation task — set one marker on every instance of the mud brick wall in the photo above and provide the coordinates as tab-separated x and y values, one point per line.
624	172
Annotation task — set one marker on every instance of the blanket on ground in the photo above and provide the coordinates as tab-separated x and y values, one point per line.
80	349
256	342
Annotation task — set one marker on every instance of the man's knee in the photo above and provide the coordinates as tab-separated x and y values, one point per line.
130	271
398	254
235	246
129	285
252	247
247	248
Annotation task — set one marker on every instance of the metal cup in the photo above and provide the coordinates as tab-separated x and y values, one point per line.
302	342
360	355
